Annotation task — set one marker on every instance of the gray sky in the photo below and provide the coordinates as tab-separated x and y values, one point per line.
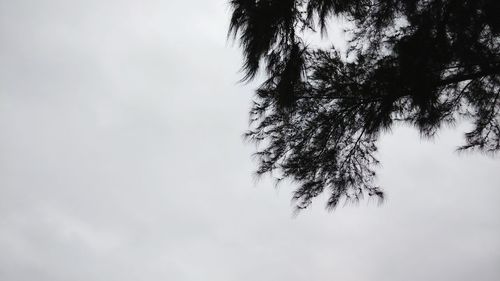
121	158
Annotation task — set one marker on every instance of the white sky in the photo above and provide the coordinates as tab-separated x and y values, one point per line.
121	158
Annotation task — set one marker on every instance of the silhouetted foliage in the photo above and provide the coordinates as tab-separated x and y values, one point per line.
318	114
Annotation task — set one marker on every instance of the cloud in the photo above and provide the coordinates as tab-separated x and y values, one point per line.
122	159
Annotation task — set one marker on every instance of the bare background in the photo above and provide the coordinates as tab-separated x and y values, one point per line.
121	158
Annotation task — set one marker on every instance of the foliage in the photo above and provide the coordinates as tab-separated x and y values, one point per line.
318	115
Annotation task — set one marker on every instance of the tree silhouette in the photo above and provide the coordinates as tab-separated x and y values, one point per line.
318	114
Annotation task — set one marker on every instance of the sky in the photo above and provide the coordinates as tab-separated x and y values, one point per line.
122	158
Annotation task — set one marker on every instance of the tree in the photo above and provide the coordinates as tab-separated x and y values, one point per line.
319	113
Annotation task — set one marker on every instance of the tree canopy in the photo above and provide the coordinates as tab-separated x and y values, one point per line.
319	113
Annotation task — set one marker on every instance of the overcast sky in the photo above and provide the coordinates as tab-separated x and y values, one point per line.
121	158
